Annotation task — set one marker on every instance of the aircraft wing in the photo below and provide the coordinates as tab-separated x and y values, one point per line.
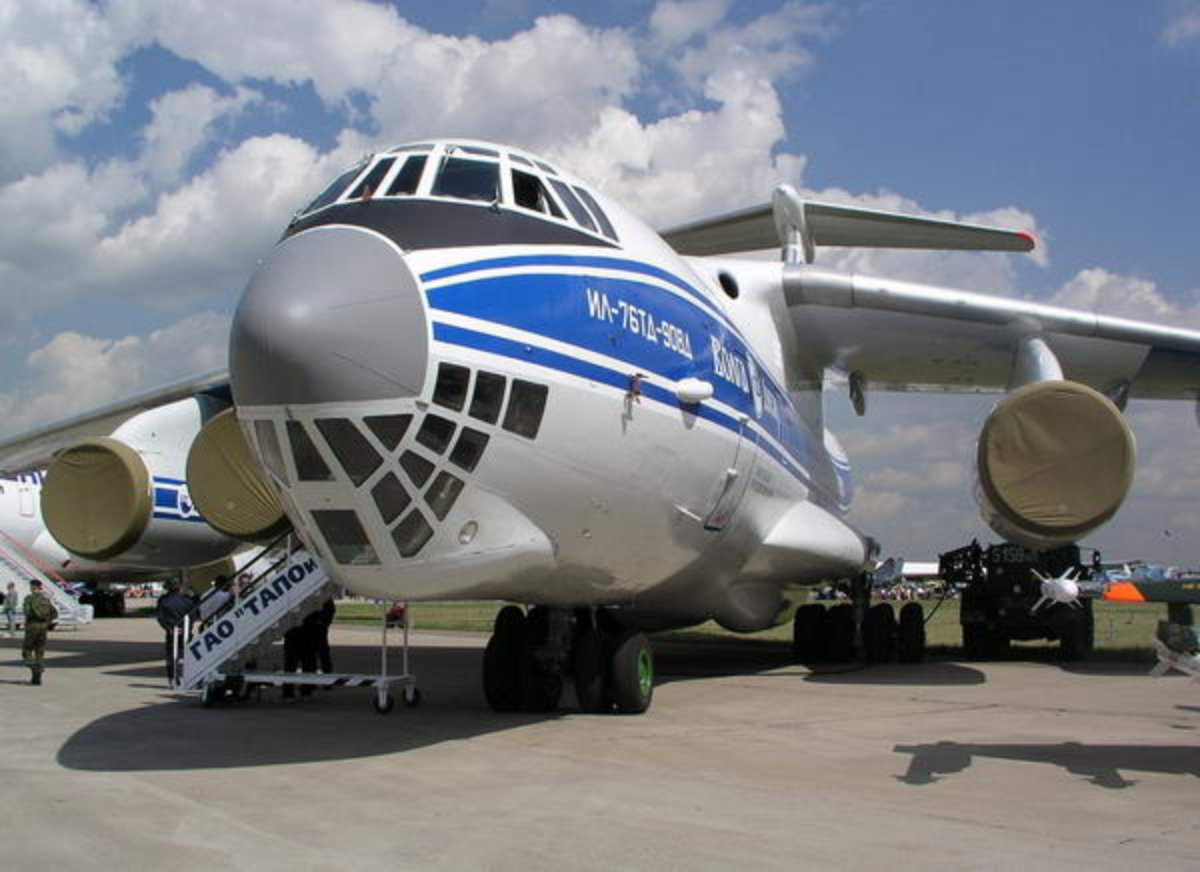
909	337
829	224
33	450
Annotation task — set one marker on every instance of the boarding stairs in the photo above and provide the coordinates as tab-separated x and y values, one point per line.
19	566
239	637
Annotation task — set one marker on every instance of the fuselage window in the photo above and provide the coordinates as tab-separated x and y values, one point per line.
436	433
309	464
411	534
488	397
469	449
351	448
530	193
345	536
408	178
605	225
526	405
468	180
268	447
418	468
334	190
451	388
442	494
573	205
369	186
390	497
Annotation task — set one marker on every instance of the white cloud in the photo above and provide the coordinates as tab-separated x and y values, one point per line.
182	122
74	371
58	64
1184	25
676	22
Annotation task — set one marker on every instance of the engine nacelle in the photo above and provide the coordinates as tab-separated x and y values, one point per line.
124	498
228	484
1055	461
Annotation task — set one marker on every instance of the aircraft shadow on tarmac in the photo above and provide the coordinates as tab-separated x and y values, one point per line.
680	660
177	733
1101	765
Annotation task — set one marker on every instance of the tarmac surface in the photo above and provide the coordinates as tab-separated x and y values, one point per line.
743	761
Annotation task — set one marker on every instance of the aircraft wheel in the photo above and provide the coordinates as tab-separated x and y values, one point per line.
839	644
809	629
879	633
502	663
412	696
541	688
911	641
591	676
632	674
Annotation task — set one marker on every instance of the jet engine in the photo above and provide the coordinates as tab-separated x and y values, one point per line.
228	484
1055	460
124	498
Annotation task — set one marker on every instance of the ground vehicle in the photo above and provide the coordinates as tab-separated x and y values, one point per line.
1001	590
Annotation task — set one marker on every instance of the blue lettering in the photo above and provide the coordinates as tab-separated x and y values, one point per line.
225	628
296	574
211	640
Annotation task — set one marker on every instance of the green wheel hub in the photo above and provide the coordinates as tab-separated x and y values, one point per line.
645	665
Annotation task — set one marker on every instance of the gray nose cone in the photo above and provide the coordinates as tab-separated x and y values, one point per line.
333	315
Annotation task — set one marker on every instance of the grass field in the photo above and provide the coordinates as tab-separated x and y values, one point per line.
1123	630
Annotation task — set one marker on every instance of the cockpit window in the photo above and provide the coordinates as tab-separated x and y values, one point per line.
530	193
369	186
605	225
523	161
573	205
468	180
474	149
545	167
408	178
334	190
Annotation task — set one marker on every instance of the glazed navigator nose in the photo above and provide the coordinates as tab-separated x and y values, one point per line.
333	315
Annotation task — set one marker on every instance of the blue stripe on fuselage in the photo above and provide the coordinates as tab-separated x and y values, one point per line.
538	356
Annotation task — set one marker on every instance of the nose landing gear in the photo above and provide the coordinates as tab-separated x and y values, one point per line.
530	653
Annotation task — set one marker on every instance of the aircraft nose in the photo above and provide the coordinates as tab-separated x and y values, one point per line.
333	315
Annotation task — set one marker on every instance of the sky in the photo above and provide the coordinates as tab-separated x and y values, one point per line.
151	151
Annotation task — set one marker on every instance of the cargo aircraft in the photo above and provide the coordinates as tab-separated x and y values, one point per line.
464	373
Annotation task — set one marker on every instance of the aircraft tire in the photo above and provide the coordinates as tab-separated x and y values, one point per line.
911	634
839	640
541	689
879	633
509	621
809	629
502	663
588	662
632	674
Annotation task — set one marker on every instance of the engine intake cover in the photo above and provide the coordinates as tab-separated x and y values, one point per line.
97	498
228	486
1055	461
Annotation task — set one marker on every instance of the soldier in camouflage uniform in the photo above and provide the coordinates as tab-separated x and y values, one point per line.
40	613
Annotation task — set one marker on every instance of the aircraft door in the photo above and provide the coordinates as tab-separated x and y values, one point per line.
732	483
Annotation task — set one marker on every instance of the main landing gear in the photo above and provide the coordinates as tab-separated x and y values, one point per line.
531	653
821	635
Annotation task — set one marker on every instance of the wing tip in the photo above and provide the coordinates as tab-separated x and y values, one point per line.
1029	238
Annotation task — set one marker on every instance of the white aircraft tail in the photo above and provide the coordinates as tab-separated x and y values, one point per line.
19	567
234	639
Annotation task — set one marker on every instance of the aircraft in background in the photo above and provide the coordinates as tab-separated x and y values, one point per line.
465	373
